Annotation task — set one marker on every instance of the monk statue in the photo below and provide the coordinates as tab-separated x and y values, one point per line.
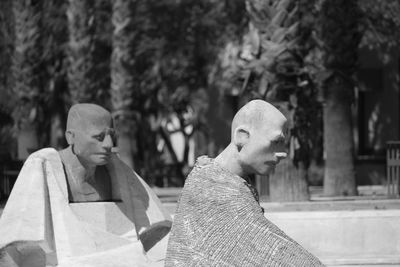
219	221
83	206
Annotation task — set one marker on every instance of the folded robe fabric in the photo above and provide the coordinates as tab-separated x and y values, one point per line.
38	211
219	222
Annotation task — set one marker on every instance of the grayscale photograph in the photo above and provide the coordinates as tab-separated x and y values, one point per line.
199	133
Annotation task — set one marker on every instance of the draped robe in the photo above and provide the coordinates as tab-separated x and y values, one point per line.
130	232
219	222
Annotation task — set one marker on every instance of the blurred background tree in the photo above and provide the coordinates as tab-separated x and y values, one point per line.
122	76
7	142
27	65
271	66
55	82
163	51
380	23
340	34
89	51
169	68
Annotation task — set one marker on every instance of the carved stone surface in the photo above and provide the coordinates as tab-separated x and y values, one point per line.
57	214
219	221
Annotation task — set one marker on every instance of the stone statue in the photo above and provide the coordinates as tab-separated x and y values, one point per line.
82	206
91	138
219	221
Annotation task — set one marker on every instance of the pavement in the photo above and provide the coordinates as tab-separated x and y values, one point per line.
369	192
367	197
371	200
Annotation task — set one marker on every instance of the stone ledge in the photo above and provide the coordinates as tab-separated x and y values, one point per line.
345	237
341	233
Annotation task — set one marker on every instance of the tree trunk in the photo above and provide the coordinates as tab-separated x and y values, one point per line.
7	37
28	74
122	76
262	185
55	57
281	24
125	144
27	141
339	178
339	33
80	14
88	56
57	130
289	183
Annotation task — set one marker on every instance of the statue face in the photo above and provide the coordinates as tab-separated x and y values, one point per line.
265	148
93	143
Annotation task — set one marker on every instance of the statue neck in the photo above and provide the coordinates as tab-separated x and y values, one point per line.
228	159
86	183
78	169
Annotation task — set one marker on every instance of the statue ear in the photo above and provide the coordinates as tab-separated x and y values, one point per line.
241	136
69	135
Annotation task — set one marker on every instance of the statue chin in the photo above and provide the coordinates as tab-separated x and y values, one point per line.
98	160
267	170
101	163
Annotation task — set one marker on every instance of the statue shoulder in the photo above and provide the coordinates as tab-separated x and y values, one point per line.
47	152
48	155
44	154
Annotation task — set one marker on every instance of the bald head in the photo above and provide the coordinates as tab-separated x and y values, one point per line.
257	141
82	116
90	133
257	114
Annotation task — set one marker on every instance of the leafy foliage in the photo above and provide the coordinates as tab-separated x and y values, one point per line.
28	63
54	44
6	50
270	65
163	53
340	34
168	54
381	23
89	50
6	103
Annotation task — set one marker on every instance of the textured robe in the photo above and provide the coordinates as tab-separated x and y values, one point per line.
132	232
219	222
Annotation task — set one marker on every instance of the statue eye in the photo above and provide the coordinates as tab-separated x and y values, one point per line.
278	142
275	143
99	137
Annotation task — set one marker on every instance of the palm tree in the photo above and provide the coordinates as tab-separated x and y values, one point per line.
6	43
122	76
55	82
278	38
6	51
340	36
28	74
89	50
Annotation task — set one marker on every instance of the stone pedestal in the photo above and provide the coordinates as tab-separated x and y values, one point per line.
351	233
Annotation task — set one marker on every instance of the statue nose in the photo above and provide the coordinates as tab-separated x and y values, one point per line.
281	155
107	142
